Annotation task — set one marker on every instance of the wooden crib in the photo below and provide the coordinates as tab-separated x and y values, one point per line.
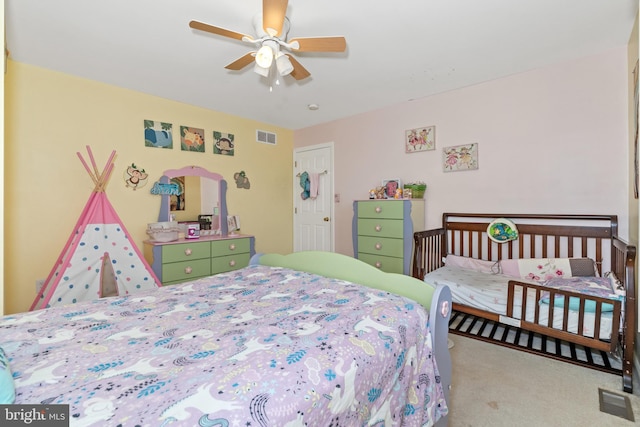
542	236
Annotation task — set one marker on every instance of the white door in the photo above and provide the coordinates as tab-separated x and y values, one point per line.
313	216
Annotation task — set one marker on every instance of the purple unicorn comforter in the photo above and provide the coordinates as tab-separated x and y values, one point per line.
261	346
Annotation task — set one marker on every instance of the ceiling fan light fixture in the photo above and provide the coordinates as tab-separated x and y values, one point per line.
264	57
283	64
264	72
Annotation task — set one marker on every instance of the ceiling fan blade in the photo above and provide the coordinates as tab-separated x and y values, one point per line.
241	62
218	30
319	44
273	14
299	72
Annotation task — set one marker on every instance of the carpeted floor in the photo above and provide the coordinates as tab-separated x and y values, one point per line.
496	386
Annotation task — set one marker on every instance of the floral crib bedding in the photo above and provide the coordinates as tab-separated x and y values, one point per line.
488	291
260	346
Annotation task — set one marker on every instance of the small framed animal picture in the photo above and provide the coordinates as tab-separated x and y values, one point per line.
223	143
420	139
158	134
192	139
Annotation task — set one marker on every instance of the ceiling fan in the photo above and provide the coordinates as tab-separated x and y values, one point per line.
272	27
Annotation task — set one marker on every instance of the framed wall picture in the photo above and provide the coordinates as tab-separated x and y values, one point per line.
158	134
420	139
191	139
460	158
223	143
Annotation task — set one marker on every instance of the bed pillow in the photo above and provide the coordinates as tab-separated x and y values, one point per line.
541	269
7	387
510	267
593	286
472	264
583	267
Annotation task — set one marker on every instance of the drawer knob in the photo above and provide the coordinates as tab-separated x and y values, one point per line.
232	263
378	246
378	264
378	227
188	270
378	209
187	252
232	247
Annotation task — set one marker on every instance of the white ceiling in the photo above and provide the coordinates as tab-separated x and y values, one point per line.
396	50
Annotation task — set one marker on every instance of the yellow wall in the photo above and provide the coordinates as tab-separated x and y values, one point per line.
49	116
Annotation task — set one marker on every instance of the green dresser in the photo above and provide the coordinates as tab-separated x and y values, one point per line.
185	259
383	232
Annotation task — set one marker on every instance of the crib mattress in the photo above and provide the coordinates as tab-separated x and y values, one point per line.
488	291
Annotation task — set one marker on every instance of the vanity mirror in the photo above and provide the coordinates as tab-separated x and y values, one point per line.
208	191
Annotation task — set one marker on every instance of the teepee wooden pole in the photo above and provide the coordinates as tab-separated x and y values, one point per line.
108	164
105	178
86	166
99	178
93	162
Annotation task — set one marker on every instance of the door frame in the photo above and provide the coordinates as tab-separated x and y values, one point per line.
331	186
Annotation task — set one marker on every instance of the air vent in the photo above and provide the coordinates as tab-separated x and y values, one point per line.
615	404
265	137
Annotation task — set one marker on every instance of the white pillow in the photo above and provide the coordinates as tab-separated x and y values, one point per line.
472	264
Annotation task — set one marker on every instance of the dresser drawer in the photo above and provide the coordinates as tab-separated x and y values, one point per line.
230	246
185	251
380	227
381	246
229	263
384	263
381	209
186	270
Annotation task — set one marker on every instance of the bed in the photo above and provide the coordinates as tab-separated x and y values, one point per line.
290	340
605	323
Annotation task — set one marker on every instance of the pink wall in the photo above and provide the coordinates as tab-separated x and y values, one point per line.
552	140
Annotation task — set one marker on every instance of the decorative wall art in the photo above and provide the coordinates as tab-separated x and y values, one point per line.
192	139
223	143
135	177
171	189
158	134
420	139
460	158
242	181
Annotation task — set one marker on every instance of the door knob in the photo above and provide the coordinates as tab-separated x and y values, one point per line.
326	219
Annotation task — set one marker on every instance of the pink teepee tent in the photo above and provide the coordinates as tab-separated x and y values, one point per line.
99	259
